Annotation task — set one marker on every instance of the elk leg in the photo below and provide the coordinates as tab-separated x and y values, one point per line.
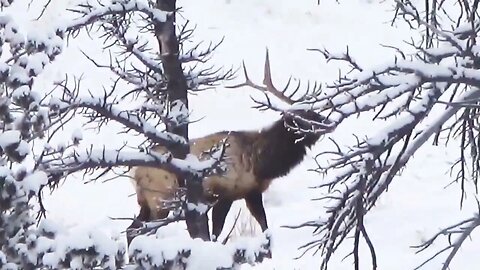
255	205
219	213
197	225
144	215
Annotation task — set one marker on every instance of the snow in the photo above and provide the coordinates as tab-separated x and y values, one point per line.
192	163
56	104
4	68
121	113
36	63
5	3
4	19
10	266
98	155
61	146
22	91
3	258
203	256
48	226
34	181
18	75
49	42
77	135
178	113
13	35
54	251
416	205
9	137
153	251
118	7
199	207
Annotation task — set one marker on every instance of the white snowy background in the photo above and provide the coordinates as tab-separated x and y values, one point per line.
417	204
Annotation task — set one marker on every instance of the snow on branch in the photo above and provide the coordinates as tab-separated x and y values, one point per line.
90	14
30	117
198	75
144	70
5	3
118	31
402	91
65	163
23	245
456	235
132	119
149	252
148	228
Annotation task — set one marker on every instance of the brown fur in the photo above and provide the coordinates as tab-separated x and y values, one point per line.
154	185
254	159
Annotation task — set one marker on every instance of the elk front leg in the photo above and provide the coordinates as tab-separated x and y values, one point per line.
255	205
219	213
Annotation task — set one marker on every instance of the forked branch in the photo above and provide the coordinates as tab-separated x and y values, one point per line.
456	234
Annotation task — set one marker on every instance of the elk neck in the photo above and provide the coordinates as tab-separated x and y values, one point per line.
279	149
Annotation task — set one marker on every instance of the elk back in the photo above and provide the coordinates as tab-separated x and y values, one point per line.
154	186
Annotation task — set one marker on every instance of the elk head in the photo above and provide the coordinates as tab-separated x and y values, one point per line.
303	121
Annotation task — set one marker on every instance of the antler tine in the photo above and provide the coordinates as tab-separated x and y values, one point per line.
286	87
299	84
267	80
247	82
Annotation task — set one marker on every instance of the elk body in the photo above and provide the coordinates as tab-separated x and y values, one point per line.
253	158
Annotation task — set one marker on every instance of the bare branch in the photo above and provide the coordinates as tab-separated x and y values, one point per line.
459	232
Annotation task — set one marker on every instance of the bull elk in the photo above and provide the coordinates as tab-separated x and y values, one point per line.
254	159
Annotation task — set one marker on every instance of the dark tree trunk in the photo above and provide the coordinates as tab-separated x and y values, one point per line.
197	223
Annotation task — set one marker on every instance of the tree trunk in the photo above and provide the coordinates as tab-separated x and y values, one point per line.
197	223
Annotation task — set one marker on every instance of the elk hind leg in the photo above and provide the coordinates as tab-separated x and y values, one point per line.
219	214
144	215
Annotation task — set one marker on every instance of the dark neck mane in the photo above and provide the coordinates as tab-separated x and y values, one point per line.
279	150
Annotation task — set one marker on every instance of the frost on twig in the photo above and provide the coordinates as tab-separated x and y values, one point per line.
456	235
442	75
137	101
27	117
125	26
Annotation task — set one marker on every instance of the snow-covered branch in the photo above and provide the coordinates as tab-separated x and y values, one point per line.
92	158
26	117
132	119
30	119
403	91
149	252
48	245
90	14
456	235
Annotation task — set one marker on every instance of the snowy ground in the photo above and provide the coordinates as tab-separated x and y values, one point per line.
417	204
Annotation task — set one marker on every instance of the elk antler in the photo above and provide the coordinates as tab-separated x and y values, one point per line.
268	84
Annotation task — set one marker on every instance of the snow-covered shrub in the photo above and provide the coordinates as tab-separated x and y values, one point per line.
25	119
177	252
30	117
